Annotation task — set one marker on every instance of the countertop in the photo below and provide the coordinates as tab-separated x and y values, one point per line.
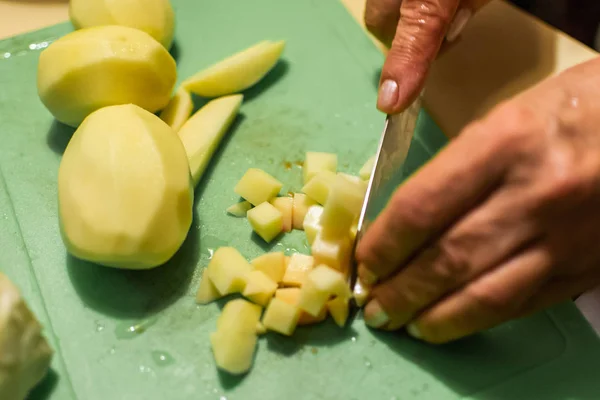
464	84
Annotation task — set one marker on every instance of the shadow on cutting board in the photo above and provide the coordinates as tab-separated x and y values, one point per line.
58	136
44	389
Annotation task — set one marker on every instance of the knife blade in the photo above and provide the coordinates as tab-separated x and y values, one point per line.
390	157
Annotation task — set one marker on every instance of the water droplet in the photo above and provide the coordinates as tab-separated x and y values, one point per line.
368	363
209	244
222	398
162	358
129	330
6	55
353	339
215	390
144	369
111	350
99	326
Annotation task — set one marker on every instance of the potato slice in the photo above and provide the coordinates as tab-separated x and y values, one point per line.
239	209
312	223
318	187
281	317
259	288
237	72
239	315
207	292
179	109
297	269
316	162
285	206
367	169
338	309
233	351
334	253
272	264
266	220
257	186
291	296
301	205
203	132
228	270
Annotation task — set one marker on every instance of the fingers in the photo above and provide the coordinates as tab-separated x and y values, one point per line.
479	242
494	298
429	201
381	19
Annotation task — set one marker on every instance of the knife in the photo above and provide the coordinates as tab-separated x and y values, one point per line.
391	154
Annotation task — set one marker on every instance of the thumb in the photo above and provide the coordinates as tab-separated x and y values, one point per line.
419	35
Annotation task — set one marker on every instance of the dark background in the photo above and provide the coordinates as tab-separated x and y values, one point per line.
578	18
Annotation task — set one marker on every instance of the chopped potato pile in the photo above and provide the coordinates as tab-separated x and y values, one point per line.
296	290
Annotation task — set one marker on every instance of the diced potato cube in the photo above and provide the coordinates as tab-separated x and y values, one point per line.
207	292
312	223
239	209
260	328
312	300
318	187
334	253
338	308
297	269
327	279
367	169
233	350
272	264
348	194
239	315
291	296
179	109
316	162
259	287
336	220
266	221
227	270
361	293
257	186
300	207
285	206
281	317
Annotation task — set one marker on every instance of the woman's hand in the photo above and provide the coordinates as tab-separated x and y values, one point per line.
503	222
415	29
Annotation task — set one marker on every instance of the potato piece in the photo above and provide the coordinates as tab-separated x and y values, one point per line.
312	223
301	204
260	328
266	221
329	280
281	317
207	292
237	72
361	293
259	287
93	68
228	270
155	17
124	192
316	162
367	169
318	187
338	309
239	315
334	253
285	206
179	109
257	186
202	133
291	296
272	264
239	209
297	269
312	300
233	351
342	208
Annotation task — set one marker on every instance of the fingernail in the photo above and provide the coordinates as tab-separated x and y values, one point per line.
366	276
461	18
375	317
413	331
388	95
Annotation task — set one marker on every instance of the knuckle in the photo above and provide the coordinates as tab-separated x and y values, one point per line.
429	13
453	262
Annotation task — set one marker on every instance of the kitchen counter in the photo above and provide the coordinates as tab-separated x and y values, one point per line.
464	84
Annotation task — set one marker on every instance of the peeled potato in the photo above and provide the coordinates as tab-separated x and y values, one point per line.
103	66
154	17
124	190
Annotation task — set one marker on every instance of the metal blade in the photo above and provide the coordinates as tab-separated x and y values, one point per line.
391	154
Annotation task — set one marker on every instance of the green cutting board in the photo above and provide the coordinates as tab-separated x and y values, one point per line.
139	335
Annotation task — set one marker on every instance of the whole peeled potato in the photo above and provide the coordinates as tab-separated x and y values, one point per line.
102	66
124	190
154	17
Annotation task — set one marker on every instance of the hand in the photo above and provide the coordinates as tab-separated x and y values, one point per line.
415	29
501	223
